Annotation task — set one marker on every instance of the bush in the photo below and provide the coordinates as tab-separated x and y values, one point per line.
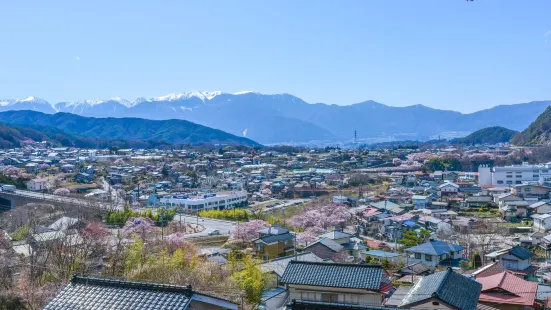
161	218
240	215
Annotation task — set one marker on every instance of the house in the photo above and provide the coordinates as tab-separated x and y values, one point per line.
325	248
382	255
98	194
540	207
277	266
516	259
353	245
514	209
542	222
508	291
500	199
97	293
84	178
531	191
420	202
448	188
37	184
274	242
443	290
68	168
434	253
417	269
477	201
32	168
332	283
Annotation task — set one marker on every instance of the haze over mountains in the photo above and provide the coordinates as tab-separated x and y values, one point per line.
284	118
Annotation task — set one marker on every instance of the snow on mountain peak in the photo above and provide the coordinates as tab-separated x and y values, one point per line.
32	99
205	95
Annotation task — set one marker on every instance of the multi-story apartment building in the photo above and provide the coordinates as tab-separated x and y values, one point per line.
221	200
509	176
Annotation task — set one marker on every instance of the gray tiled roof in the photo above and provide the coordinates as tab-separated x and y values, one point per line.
448	286
334	275
95	293
279	265
334	246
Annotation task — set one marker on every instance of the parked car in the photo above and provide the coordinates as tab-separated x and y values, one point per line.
214	232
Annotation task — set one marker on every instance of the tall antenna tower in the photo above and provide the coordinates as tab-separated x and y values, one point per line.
355	137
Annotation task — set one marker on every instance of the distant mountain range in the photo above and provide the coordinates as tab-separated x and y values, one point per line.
284	118
129	131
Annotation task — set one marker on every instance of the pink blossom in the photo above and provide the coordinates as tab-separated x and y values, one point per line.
12	172
396	161
248	231
138	224
62	192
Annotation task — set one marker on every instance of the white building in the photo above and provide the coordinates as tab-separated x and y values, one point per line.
222	200
448	187
508	176
542	222
37	184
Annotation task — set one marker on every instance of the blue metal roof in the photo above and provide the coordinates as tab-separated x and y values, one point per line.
435	247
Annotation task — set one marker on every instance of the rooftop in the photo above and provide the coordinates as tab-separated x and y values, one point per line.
370	277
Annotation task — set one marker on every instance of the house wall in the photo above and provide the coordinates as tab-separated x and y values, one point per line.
344	295
274	250
513	262
543	209
505	306
542	224
430	306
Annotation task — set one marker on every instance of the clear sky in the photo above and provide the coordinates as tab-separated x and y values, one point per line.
448	54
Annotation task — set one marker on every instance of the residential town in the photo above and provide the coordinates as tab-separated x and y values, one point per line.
431	227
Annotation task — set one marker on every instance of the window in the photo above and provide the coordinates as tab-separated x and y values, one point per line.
500	182
417	255
334	298
536	175
260	247
509	176
527	189
518	182
509	182
428	257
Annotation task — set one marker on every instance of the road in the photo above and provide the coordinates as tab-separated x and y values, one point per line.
63	199
225	227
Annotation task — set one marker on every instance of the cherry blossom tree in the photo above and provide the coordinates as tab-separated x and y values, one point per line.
248	231
322	217
62	192
12	172
44	166
396	161
140	225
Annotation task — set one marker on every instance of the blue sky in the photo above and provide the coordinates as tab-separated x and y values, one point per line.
448	54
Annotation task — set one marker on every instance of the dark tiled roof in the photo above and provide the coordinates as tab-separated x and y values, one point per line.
276	238
334	275
521	252
435	247
95	293
448	286
330	244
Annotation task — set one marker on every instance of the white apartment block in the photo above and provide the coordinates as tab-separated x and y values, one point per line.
222	200
509	176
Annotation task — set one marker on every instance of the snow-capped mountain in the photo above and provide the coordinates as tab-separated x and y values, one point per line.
29	103
284	118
